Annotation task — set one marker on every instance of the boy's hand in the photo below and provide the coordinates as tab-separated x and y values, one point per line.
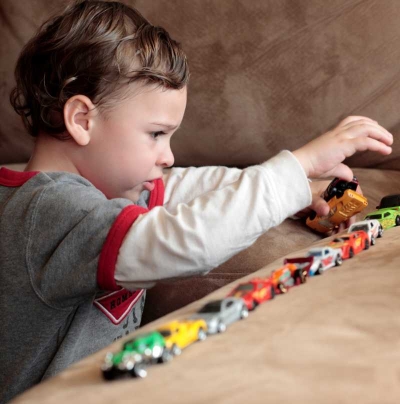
318	204
323	156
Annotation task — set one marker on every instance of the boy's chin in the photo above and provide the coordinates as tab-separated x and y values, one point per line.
132	194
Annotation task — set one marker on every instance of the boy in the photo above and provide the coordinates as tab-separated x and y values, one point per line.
89	225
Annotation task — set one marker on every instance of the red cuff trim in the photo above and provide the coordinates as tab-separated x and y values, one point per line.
110	250
157	194
11	178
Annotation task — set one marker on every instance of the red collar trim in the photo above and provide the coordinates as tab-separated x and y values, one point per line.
11	178
157	194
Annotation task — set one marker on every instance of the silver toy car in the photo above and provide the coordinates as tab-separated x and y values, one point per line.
219	313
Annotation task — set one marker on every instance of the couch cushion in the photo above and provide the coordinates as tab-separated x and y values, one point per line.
266	75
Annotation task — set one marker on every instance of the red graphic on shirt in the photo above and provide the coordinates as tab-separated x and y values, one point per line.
117	305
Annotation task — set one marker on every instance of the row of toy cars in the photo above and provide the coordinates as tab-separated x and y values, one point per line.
169	340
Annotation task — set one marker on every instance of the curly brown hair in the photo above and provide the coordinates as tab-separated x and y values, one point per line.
94	48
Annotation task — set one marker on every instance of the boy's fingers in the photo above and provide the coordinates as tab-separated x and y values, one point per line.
354	118
320	206
368	143
340	171
369	129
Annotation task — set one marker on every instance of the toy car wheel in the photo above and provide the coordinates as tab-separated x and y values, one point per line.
282	288
397	221
380	231
165	357
138	371
244	313
254	304
201	335
338	261
366	245
272	292
351	252
320	270
176	350
110	374
302	276
221	327
313	215
373	240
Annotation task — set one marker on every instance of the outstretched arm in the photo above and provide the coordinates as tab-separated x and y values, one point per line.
197	236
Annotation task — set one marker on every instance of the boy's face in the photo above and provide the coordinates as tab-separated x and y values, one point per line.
131	146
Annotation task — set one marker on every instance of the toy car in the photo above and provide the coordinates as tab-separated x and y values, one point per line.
343	203
303	265
135	355
372	227
323	259
180	334
219	313
287	276
388	213
351	243
338	186
254	292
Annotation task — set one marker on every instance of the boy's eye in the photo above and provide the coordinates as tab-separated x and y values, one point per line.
155	135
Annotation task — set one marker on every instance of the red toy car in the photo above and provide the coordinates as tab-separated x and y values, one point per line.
254	292
351	243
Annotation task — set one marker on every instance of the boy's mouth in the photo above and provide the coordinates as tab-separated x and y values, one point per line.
149	185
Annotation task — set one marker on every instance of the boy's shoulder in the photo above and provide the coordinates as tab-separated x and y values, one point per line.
63	180
40	180
56	196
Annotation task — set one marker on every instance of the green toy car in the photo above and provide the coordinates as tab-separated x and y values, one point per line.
135	355
388	213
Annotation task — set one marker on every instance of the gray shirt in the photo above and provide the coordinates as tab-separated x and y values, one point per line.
53	227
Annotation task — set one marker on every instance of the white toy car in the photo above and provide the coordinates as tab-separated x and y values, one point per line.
323	259
372	227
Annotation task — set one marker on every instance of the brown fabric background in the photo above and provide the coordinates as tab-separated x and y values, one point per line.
266	75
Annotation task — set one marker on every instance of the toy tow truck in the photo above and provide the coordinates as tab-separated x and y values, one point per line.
344	202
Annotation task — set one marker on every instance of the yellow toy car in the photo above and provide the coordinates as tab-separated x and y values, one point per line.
180	334
343	204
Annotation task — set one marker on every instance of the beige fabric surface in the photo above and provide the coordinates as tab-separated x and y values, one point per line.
333	340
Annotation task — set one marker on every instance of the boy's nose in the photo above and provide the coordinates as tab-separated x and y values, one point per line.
167	158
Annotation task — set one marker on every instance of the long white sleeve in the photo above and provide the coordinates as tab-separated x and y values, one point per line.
182	185
184	239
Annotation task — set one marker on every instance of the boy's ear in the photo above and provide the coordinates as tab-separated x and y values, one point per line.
78	116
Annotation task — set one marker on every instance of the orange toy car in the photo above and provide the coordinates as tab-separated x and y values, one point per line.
351	243
288	276
254	292
344	202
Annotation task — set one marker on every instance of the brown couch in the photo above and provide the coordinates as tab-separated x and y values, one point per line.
265	76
